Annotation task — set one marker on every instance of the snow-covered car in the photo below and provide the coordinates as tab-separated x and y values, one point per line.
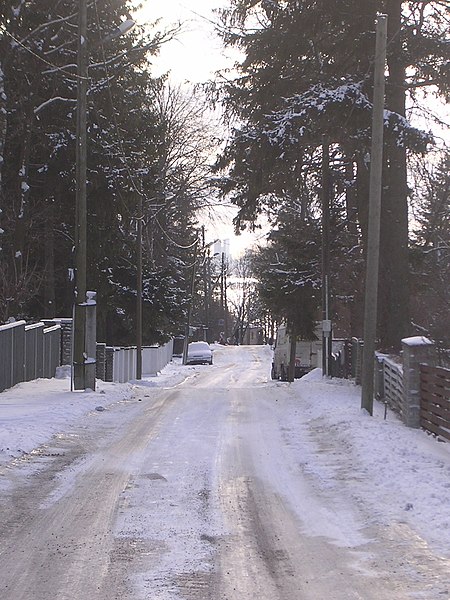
199	353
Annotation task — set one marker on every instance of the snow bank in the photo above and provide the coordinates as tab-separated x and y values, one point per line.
400	474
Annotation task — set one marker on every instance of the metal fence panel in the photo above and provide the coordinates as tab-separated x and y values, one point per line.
12	354
393	385
357	354
66	338
150	360
5	358
121	362
34	351
52	350
18	354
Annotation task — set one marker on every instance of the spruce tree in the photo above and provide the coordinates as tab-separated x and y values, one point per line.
307	77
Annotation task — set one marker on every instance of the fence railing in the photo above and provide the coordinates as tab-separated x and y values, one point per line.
357	347
435	400
28	352
397	382
119	364
341	360
389	386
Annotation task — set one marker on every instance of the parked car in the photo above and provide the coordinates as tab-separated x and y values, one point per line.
199	353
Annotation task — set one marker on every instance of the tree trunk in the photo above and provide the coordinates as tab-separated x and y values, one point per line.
361	200
22	193
394	319
49	275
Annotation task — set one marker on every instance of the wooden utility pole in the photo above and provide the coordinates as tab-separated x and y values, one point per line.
222	290
225	300
79	316
191	301
84	317
326	323
373	244
206	259
139	289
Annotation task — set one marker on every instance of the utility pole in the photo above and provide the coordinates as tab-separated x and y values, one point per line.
223	296
191	302
225	300
373	243
79	316
84	316
205	288
139	289
326	322
207	284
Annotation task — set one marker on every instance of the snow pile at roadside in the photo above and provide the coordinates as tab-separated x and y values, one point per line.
400	474
32	412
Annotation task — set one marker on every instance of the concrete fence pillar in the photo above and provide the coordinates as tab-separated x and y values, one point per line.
100	371
66	338
109	363
416	351
91	340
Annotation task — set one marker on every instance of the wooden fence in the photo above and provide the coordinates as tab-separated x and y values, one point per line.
394	393
435	400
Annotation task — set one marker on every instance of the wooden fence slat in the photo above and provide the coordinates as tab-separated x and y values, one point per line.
435	418
435	371
439	431
444	411
435	400
437	387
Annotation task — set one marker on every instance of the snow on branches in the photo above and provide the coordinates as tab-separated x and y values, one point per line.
342	113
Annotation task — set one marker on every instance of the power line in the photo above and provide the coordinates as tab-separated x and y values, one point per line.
48	63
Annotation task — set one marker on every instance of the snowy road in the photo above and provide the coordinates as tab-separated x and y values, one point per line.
216	488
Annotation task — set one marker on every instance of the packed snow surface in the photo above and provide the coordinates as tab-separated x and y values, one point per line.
400	475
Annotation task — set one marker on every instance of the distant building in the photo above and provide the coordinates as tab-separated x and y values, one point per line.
222	247
253	336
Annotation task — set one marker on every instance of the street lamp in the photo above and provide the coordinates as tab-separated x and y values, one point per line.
83	353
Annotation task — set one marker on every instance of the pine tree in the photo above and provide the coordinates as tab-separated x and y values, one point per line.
430	253
306	77
288	272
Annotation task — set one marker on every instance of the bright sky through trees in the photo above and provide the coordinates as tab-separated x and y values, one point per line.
194	56
197	52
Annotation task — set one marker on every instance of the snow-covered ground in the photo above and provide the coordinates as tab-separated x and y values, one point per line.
402	475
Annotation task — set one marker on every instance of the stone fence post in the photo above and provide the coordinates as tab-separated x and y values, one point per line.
416	351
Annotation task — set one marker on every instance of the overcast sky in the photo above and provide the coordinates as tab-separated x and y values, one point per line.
195	55
197	52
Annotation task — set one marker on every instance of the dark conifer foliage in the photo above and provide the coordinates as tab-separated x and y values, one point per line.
288	274
430	253
126	152
305	79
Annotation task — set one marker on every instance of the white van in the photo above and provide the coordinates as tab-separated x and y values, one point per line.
308	354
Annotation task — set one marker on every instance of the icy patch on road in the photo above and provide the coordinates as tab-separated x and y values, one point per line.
170	505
